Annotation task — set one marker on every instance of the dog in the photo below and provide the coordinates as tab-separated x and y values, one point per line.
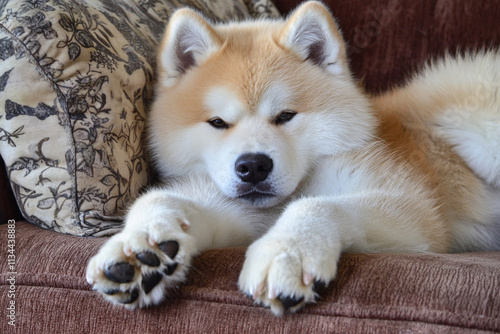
263	138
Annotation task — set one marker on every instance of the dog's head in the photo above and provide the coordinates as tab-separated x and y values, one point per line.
255	104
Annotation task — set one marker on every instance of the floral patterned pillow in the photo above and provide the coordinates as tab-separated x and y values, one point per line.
75	82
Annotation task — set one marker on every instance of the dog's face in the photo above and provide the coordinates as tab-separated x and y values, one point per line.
256	104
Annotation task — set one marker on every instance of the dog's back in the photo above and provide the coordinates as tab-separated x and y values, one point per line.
446	122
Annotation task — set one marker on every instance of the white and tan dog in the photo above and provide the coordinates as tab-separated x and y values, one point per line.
266	140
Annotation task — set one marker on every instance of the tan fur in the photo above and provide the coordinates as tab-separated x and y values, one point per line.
438	166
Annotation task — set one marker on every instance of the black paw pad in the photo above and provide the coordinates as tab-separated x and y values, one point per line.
150	281
289	302
169	270
111	292
148	258
319	286
134	294
170	248
121	272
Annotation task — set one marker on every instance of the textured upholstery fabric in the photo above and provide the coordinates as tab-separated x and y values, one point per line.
384	293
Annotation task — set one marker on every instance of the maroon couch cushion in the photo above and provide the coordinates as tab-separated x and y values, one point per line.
382	292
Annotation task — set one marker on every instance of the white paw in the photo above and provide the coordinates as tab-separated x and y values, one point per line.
136	267
284	274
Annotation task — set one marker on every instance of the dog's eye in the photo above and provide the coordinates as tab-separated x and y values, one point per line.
284	116
218	123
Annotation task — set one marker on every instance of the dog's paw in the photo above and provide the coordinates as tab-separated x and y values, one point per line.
136	267
283	275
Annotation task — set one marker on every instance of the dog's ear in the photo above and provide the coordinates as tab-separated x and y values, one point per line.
188	42
312	34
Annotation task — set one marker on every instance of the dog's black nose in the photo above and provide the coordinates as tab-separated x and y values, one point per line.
253	167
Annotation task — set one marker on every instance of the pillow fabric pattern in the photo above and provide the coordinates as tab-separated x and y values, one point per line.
76	79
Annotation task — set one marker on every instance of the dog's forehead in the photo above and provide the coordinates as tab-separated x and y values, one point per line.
254	75
222	101
263	82
251	87
276	97
230	104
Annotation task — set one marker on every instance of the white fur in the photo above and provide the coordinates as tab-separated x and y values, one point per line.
463	95
224	104
277	98
470	124
335	187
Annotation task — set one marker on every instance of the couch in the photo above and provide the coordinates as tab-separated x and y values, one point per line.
42	280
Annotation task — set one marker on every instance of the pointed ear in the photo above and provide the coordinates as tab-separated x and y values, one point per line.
312	34
188	42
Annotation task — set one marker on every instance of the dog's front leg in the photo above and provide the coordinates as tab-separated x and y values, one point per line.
300	252
164	229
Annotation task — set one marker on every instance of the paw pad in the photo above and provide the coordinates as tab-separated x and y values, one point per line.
170	269
289	302
111	292
150	281
170	248
132	297
148	258
319	286
121	272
